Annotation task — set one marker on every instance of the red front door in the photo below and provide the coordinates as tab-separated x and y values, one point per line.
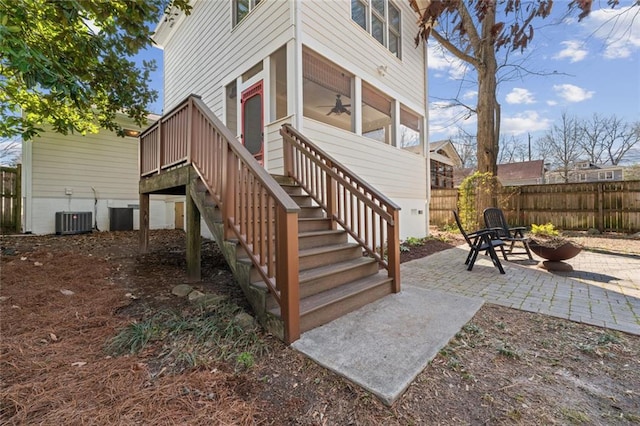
253	122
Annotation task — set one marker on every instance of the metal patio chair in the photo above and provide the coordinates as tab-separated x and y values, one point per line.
482	240
494	219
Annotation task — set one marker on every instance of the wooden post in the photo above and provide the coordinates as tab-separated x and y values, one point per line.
160	144
287	279
393	251
332	198
600	202
144	222
228	190
193	235
190	127
287	153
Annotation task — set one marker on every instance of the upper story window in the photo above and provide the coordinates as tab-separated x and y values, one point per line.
241	8
381	19
608	175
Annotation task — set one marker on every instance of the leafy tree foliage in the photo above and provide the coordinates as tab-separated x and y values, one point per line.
66	63
471	30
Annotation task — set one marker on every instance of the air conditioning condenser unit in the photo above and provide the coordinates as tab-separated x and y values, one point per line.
68	223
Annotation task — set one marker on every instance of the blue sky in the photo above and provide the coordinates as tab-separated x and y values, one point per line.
589	67
584	68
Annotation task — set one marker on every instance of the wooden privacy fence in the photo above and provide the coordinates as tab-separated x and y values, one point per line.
606	206
10	199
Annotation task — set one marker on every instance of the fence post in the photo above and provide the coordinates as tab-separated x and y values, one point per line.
600	201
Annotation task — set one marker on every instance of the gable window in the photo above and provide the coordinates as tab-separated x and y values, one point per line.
381	19
241	8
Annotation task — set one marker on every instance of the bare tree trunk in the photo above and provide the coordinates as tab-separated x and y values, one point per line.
488	109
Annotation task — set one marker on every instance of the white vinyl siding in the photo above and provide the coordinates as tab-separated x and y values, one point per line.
205	53
394	172
330	31
104	161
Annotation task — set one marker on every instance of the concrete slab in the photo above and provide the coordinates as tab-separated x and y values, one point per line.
386	344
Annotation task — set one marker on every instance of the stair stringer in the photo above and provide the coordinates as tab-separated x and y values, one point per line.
241	269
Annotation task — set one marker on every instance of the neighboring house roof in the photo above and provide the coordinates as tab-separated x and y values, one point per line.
522	171
460	174
445	152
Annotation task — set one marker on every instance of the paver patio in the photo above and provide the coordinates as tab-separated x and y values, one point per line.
602	290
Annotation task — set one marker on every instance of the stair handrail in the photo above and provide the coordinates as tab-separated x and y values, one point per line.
249	199
343	195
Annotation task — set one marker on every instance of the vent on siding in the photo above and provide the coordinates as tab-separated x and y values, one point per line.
73	222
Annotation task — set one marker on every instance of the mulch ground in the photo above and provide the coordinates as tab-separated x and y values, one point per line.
62	299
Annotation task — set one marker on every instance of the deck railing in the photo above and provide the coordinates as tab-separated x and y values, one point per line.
369	217
255	209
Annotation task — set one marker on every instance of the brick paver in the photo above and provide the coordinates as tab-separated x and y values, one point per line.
602	290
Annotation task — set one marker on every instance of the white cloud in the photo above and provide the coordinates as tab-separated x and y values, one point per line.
573	50
445	119
618	28
525	122
520	96
440	59
470	94
552	103
571	93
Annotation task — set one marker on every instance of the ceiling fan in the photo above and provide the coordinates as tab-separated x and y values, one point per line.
339	107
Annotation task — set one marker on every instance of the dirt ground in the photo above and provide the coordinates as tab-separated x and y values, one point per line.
65	301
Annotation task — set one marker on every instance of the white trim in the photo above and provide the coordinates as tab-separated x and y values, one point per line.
26	185
356	105
297	76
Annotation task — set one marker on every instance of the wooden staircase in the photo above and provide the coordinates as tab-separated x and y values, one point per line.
335	276
306	247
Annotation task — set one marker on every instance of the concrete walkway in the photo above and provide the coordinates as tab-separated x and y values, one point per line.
385	345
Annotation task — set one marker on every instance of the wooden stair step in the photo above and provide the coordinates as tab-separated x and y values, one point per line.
324	307
302	200
317	280
306	224
325	255
311	239
311	212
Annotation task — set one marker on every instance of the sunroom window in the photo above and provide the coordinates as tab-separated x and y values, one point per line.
326	92
410	128
376	114
381	19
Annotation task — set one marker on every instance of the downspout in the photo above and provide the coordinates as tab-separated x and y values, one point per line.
425	137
